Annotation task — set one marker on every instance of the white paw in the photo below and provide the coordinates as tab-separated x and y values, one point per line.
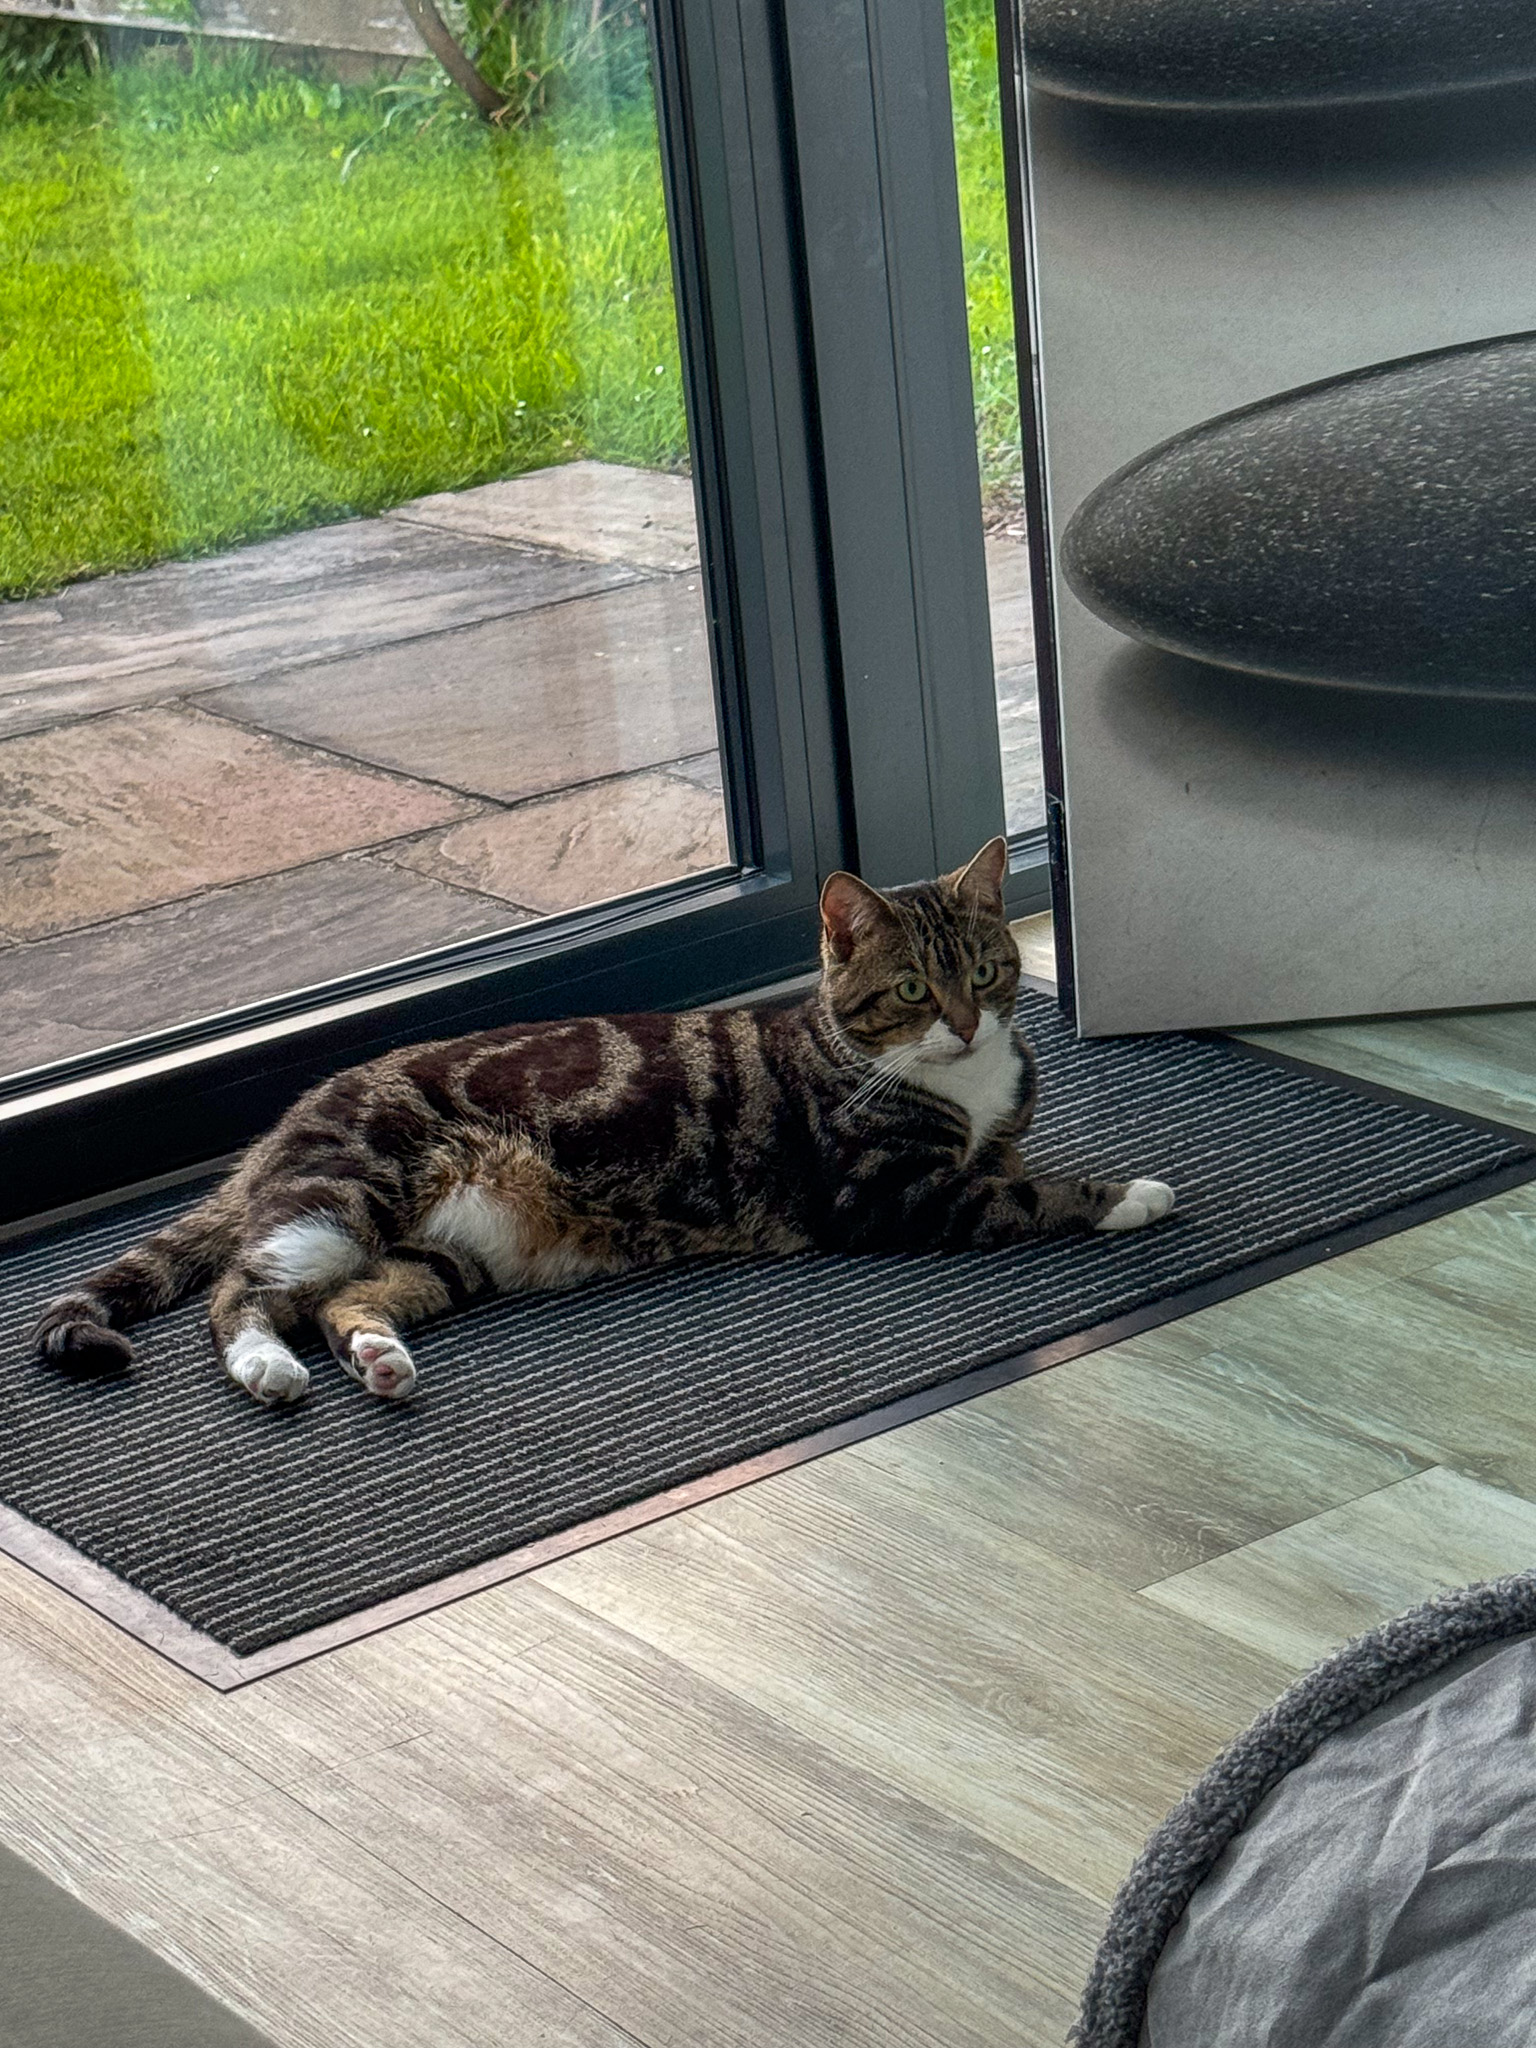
1144	1201
266	1369
382	1363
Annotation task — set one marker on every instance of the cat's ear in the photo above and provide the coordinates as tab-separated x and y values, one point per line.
849	910
981	882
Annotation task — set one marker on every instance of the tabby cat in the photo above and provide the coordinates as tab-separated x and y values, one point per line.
881	1114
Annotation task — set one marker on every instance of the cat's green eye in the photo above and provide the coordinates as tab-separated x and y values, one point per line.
913	989
984	974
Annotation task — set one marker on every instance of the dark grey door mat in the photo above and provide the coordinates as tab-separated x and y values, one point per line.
73	1980
237	1538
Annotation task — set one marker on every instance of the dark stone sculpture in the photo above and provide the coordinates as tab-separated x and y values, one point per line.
1209	54
1377	530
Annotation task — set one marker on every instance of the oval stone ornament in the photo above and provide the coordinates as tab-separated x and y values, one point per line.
1227	54
1377	530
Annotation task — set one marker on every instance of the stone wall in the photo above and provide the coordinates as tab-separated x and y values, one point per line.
368	27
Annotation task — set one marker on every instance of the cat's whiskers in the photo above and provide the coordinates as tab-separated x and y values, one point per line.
864	1093
880	1075
885	1076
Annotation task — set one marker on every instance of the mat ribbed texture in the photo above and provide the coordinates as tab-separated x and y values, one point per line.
539	1412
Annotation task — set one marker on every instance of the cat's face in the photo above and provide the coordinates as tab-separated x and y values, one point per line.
925	973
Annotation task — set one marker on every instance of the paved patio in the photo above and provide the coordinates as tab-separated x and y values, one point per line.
228	779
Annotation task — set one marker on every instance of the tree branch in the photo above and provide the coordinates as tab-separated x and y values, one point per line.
435	33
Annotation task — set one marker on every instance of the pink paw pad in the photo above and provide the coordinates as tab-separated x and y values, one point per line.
382	1364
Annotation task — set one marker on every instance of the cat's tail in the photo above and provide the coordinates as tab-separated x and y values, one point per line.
81	1330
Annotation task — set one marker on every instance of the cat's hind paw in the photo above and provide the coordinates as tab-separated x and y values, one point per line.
267	1370
1144	1201
381	1363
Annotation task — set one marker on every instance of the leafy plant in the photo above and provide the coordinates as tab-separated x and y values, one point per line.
532	51
32	51
511	61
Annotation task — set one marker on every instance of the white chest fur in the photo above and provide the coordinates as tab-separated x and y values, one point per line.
984	1084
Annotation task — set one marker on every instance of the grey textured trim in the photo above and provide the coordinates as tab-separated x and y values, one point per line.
1364	1675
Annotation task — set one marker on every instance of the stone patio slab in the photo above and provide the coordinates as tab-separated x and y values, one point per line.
583	847
704	770
1018	696
173	844
304	598
220	950
224	949
517	707
1012	608
49	704
602	510
118	813
1018	727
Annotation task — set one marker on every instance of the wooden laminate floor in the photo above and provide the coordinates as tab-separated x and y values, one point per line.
853	1757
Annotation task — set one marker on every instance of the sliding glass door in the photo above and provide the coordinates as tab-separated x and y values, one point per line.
463	560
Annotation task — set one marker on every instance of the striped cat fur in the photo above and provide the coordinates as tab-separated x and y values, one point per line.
882	1114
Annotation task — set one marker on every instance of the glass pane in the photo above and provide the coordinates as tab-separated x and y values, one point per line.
994	370
351	593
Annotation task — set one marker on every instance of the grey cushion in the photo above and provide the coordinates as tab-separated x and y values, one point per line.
1358	1870
69	1979
1384	1892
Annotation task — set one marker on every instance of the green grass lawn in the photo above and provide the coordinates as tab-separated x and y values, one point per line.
984	228
208	335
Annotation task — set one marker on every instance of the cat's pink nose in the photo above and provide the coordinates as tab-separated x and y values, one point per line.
964	1030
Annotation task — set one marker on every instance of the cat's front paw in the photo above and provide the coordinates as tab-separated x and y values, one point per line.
71	1335
1144	1201
382	1363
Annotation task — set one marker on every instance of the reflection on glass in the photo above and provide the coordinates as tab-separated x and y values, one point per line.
983	216
351	600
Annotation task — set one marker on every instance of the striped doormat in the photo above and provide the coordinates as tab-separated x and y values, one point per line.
237	1537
